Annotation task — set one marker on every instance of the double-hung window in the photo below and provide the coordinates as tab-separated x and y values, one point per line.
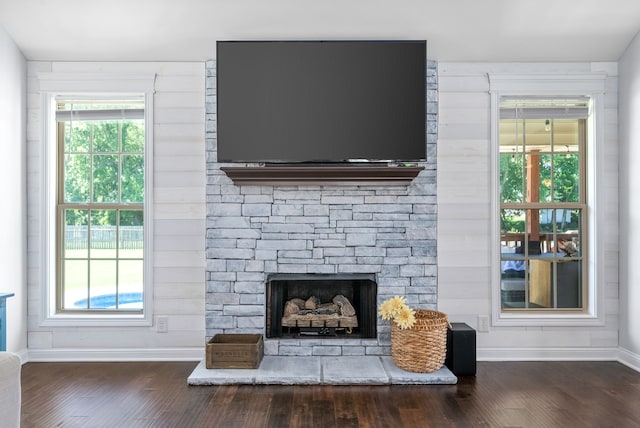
100	206
547	136
97	208
543	203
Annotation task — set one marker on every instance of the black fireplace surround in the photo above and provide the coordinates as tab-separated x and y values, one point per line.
360	289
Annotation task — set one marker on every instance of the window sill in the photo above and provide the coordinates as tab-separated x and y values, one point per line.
96	320
545	319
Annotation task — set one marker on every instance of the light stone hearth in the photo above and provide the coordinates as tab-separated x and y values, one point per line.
363	370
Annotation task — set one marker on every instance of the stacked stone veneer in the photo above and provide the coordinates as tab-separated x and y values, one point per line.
253	231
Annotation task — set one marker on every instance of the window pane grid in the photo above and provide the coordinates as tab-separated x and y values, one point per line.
93	256
542	209
101	211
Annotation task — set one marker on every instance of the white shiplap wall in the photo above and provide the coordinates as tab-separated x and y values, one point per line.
630	203
464	217
179	223
12	175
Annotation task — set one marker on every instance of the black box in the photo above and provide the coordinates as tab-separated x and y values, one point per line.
461	349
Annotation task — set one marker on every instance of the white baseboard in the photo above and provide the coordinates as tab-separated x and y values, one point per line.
629	359
124	354
547	354
621	355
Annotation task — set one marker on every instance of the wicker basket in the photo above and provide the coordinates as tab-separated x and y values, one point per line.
423	347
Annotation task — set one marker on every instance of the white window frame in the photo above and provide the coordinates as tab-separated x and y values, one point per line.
591	85
84	84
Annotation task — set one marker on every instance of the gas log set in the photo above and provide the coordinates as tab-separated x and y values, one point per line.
315	318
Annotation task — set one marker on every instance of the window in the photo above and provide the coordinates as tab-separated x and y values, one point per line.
543	203
547	145
96	182
100	208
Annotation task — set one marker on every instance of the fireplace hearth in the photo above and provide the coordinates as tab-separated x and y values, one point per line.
321	305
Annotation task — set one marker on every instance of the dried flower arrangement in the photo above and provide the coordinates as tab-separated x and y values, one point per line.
397	310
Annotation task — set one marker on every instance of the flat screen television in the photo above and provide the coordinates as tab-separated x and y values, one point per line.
321	101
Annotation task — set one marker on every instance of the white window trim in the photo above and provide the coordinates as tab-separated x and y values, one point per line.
51	85
571	84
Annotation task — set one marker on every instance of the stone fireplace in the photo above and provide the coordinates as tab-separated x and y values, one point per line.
260	235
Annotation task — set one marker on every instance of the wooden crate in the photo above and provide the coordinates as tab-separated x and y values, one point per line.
235	351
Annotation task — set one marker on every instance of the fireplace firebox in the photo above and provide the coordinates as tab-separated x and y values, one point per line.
325	305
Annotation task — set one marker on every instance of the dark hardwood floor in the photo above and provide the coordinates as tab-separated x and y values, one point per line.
505	394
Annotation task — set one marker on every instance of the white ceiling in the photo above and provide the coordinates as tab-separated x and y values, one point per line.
456	30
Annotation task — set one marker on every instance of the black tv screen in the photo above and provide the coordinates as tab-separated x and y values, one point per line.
321	101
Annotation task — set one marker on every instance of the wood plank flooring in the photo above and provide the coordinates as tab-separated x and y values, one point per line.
156	394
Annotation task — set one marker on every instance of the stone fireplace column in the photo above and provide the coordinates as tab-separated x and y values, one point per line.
256	231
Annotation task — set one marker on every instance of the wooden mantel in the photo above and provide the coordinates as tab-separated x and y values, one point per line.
381	175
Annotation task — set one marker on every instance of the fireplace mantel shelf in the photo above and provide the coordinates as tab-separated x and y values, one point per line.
322	175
